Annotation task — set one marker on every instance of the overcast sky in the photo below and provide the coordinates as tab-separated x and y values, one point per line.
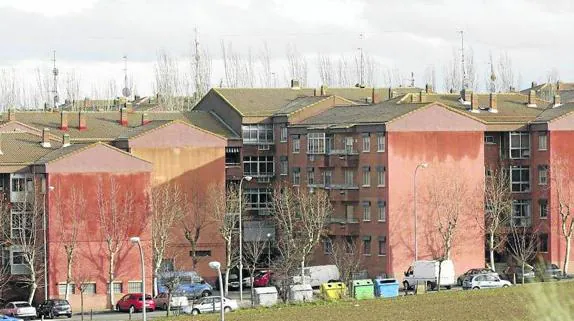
91	36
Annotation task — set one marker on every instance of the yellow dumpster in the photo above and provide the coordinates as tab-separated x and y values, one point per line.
333	291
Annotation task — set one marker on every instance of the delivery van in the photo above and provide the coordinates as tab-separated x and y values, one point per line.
426	272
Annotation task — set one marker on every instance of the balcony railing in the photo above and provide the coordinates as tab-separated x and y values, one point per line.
521	221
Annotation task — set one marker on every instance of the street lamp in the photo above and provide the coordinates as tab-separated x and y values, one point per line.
44	225
136	240
269	249
217	266
421	165
247	178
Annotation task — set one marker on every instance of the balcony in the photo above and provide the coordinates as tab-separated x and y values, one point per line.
343	158
521	221
343	226
318	160
233	171
344	193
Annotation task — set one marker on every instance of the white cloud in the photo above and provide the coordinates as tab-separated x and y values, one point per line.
49	8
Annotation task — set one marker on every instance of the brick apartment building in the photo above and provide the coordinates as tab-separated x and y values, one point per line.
134	151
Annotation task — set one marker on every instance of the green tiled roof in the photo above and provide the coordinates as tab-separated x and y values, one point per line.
23	148
259	102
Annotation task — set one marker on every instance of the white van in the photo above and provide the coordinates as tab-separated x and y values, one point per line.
317	275
427	272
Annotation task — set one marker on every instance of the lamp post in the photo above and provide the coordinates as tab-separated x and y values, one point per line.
269	249
217	266
136	240
44	226
247	178
421	165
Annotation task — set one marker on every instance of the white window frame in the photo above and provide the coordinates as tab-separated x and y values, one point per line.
62	288
367	246
310	175
349	177
489	140
543	214
521	213
284	167
257	133
384	247
350	213
283	135
366	142
259	203
316	143
522	151
381	144
327	177
90	288
542	175
261	163
349	145
382	208
366	176
543	141
522	186
366	211
296	176
381	176
132	284
296	147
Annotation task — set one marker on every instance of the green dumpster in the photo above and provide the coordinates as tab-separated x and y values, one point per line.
333	290
363	289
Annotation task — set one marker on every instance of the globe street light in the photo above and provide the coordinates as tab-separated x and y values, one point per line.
421	165
247	178
217	266
136	240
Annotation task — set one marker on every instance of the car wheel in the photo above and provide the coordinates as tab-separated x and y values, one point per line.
459	282
165	306
476	288
505	286
448	287
227	309
51	315
69	316
195	312
205	293
406	285
118	308
429	285
132	309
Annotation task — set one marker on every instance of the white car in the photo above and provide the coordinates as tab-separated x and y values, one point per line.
426	272
211	304
484	281
177	301
20	309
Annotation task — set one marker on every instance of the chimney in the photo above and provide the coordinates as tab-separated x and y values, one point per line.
295	84
374	97
82	125
65	140
428	88
123	117
323	90
11	114
557	100
421	95
315	92
531	99
493	103
63	121
145	119
534	84
46	138
473	103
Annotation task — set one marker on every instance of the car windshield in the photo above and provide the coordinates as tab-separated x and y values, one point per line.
22	305
147	297
61	302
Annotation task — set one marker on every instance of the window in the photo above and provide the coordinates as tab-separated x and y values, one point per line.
366	176
381	176
134	287
349	145
380	142
257	198
366	245
543	206
18	184
366	142
117	287
257	134
521	213
350	213
327	176
283	137
311	176
316	143
543	175
17	258
349	245
349	177
382	245
90	288
519	145
258	166
296	144
62	288
283	166
489	139
296	176
232	156
543	243
520	179
382	205
366	211
488	172
542	141
328	246
201	253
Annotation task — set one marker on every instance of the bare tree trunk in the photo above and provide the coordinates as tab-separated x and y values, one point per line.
111	277
33	288
567	256
439	275
82	304
523	266
491	250
226	282
169	295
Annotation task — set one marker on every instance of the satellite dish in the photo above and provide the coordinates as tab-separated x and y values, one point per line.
126	92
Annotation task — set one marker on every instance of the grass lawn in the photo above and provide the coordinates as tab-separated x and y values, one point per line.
542	301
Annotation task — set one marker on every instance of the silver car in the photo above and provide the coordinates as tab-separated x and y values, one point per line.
211	304
484	281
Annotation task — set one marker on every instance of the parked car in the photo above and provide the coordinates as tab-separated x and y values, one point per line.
262	278
545	272
190	284
178	301
317	275
470	272
4	317
484	281
133	302
20	309
211	304
54	308
516	270
427	272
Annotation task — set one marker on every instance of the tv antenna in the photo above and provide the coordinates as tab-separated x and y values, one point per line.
126	92
55	73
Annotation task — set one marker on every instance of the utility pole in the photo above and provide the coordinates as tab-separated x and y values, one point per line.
412	79
464	84
361	67
55	74
126	92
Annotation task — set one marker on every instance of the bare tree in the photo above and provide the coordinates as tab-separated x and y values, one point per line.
82	283
471	70
452	73
194	222
561	178
505	75
201	69
348	257
266	76
430	76
170	281
522	243
253	251
239	72
70	217
297	65
497	212
171	83
326	70
300	217
73	90
168	208
115	208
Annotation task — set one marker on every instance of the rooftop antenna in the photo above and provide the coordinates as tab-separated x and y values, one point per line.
361	71
492	76
464	83
126	92
55	73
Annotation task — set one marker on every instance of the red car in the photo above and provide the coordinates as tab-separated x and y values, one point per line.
133	302
262	278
